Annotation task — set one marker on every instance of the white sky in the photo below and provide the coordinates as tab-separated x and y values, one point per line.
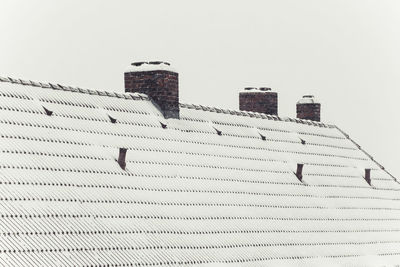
345	52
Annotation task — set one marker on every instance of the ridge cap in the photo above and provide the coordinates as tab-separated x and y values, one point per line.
60	87
255	114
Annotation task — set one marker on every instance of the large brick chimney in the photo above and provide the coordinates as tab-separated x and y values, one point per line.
261	100
157	80
308	108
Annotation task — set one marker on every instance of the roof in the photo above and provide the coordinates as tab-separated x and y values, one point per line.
215	187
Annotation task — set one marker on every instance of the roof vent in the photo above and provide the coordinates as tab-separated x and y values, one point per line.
113	120
163	125
219	132
299	172
215	128
48	112
260	133
367	176
122	158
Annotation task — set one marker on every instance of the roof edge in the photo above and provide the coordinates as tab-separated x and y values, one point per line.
367	154
256	115
134	96
140	96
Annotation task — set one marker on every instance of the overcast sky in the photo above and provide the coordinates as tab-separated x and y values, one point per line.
346	53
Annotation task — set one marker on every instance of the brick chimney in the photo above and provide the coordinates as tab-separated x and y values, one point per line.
308	108
157	80
261	100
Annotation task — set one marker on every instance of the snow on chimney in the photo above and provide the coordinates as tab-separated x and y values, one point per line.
308	108
261	100
157	80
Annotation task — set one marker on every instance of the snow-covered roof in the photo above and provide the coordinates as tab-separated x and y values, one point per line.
214	188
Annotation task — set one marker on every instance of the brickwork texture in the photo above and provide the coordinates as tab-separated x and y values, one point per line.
309	111
262	102
162	86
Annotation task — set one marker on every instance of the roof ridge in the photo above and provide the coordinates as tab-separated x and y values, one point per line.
134	96
140	96
255	114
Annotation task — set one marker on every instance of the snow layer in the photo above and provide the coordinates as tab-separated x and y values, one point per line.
256	90
145	66
308	99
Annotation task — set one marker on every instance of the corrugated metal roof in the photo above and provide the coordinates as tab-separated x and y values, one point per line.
217	187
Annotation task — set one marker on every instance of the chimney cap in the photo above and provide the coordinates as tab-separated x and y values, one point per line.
139	66
308	99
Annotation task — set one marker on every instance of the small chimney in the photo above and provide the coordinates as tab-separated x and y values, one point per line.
48	112
308	108
122	158
157	80
261	100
